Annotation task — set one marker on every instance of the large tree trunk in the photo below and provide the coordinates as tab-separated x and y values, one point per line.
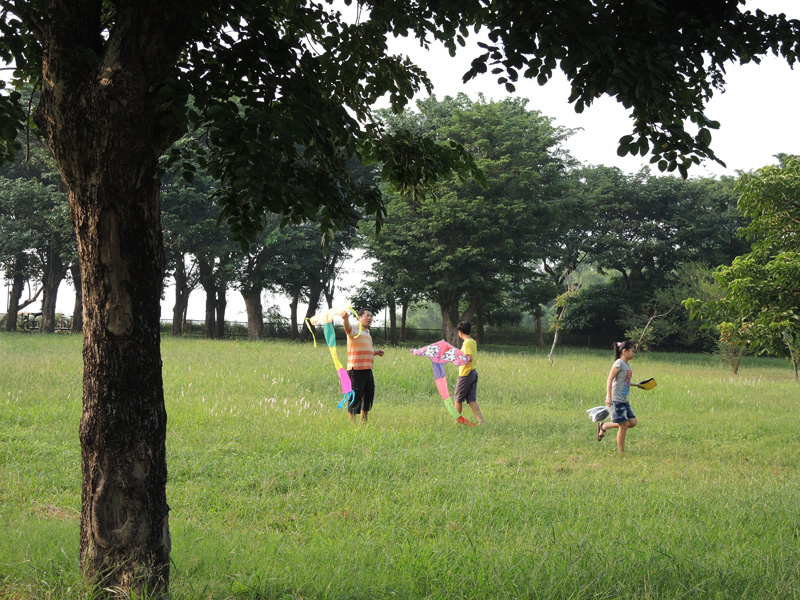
219	307
448	303
210	330
255	313
403	318
100	118
206	273
54	272
293	302
182	292
124	520
124	538
77	310
314	292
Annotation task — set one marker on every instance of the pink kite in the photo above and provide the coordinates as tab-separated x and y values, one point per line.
440	353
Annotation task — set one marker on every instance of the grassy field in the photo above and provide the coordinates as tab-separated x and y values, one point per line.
275	494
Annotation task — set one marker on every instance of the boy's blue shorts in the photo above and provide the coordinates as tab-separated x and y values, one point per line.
621	412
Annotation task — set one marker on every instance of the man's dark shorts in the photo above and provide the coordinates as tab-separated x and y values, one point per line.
364	389
467	387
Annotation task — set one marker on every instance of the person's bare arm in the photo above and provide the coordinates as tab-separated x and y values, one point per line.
611	375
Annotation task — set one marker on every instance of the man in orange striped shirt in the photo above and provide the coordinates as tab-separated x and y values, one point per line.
360	355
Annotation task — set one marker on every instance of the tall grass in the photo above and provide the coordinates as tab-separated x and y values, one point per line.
275	494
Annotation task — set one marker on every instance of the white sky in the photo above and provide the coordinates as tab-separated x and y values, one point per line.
758	115
757	112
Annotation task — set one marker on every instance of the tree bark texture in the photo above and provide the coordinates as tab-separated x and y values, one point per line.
182	292
54	272
255	313
100	113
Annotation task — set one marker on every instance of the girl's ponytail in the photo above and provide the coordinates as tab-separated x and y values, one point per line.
620	346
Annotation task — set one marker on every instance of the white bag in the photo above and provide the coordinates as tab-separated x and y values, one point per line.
598	413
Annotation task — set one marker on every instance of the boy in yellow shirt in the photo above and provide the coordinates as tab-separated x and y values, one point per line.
467	384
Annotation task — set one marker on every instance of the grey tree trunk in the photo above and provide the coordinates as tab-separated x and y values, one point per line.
54	272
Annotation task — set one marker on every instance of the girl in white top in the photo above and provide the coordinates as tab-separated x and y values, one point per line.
617	387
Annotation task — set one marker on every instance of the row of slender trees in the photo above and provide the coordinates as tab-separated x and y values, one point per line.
38	250
37	239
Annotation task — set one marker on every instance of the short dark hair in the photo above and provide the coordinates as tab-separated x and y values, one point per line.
361	311
464	327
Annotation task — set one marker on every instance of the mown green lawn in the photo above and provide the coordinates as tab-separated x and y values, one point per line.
275	494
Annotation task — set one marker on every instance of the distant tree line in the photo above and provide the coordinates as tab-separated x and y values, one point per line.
595	250
603	252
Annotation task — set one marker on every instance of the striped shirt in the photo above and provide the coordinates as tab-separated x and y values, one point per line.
360	353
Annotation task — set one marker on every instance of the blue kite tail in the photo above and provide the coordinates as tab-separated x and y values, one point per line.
349	396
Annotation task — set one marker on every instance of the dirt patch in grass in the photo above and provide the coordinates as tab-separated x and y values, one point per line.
51	511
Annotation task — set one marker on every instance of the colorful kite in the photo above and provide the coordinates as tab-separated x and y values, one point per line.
326	318
440	353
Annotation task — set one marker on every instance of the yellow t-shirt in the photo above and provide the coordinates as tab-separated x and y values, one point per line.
469	347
